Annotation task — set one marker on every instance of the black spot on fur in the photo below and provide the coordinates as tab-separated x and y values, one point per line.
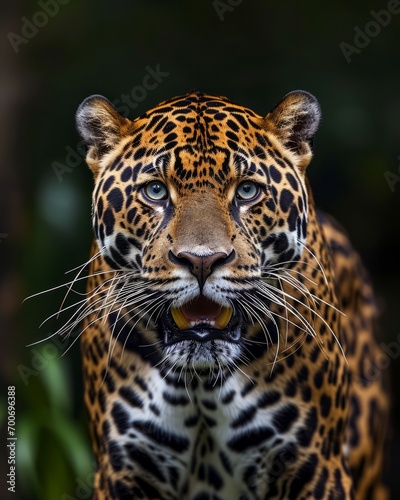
303	476
161	436
281	243
284	418
120	417
117	257
121	491
276	176
109	221
144	460
126	174
244	417
268	399
319	490
292	181
108	183
148	489
286	199
131	397
139	153
305	434
250	439
122	244
325	405
116	456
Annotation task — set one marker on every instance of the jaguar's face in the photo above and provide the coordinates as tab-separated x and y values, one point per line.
201	200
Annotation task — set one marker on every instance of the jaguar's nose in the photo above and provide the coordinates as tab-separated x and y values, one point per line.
201	266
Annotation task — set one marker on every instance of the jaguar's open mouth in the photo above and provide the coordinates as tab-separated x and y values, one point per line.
201	311
202	320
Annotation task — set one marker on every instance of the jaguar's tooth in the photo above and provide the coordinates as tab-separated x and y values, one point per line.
224	317
181	322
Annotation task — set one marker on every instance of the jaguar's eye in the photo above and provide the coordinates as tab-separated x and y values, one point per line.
156	191
247	191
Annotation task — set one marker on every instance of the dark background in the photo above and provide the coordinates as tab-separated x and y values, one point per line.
254	52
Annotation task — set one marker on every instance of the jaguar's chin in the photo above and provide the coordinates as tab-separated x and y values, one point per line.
202	334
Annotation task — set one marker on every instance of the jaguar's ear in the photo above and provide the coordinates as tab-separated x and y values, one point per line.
295	121
101	127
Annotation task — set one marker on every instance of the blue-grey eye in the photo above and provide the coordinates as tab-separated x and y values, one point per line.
156	191
247	190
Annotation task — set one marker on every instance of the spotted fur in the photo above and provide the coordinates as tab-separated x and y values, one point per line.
202	207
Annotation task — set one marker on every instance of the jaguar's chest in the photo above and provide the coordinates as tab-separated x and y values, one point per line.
197	436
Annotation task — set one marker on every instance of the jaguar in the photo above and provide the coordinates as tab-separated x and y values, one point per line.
229	328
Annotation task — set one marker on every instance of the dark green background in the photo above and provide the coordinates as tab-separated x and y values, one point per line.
257	53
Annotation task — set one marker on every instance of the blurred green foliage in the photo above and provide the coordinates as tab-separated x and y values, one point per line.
49	430
258	52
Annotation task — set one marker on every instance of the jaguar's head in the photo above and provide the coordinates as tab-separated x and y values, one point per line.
198	203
